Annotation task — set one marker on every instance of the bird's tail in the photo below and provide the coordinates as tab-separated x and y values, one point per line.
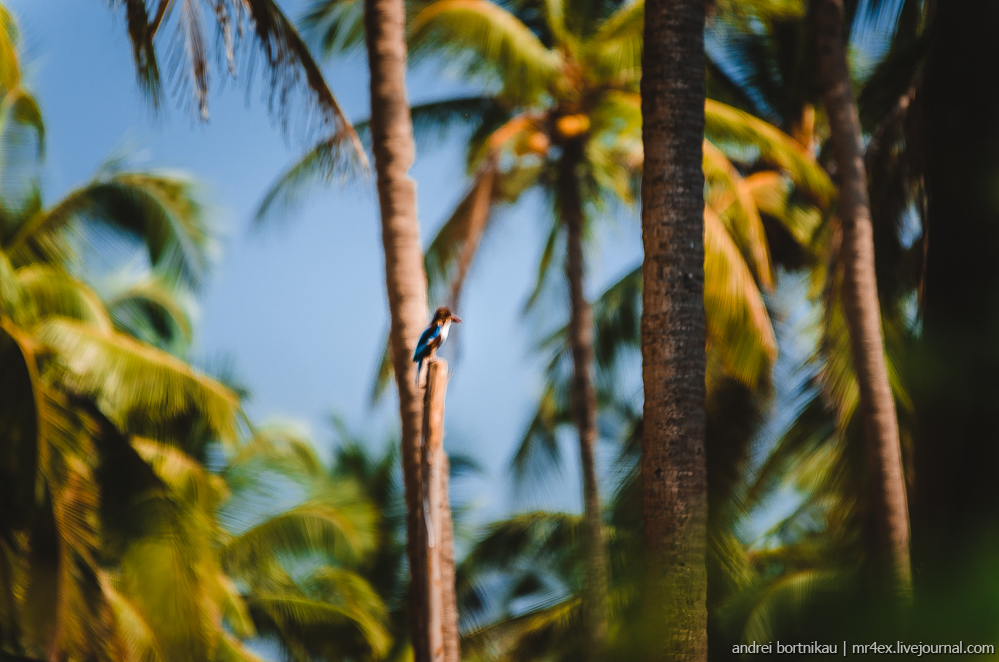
419	369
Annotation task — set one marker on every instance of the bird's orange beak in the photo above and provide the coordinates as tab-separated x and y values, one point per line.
455	319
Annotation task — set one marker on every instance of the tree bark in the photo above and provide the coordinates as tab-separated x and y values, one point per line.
406	282
674	476
584	404
888	510
442	608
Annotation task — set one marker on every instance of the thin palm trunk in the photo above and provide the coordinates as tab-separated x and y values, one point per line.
887	499
674	473
392	142
584	404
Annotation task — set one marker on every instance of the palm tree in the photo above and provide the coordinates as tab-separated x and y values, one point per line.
522	138
674	473
860	298
405	280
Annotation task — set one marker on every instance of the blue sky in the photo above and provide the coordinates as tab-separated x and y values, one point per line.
301	308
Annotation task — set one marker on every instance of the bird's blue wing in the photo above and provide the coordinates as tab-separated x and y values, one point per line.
425	340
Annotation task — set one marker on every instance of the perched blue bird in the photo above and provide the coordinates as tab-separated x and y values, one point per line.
433	337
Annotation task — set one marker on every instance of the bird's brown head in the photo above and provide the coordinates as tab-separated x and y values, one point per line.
443	314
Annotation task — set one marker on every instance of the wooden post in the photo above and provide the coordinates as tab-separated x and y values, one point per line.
442	610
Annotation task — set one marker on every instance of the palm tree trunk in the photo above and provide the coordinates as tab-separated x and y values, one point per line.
887	499
406	282
584	404
674	473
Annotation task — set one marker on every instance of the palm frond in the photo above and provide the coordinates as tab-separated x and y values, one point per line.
773	195
724	123
293	75
19	108
136	386
137	634
615	50
161	209
280	448
538	458
737	208
786	598
737	321
53	292
344	530
338	585
450	254
325	164
293	615
497	38
336	26
10	61
140	34
152	311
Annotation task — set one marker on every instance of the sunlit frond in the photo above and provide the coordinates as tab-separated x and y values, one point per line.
772	193
615	51
344	530
496	37
294	616
138	636
733	202
134	384
53	292
10	61
153	311
737	321
724	124
162	210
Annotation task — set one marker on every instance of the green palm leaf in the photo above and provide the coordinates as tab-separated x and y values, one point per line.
724	123
344	531
615	50
323	164
304	614
53	292
151	310
498	39
737	322
160	209
134	384
732	200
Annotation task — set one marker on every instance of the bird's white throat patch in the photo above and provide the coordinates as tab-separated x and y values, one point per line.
445	329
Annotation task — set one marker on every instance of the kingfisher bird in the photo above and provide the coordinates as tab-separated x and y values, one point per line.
433	337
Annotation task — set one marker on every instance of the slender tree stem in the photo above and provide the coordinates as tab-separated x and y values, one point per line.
442	612
887	498
584	403
406	282
674	473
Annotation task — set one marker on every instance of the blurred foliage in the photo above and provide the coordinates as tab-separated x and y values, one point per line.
146	518
117	541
